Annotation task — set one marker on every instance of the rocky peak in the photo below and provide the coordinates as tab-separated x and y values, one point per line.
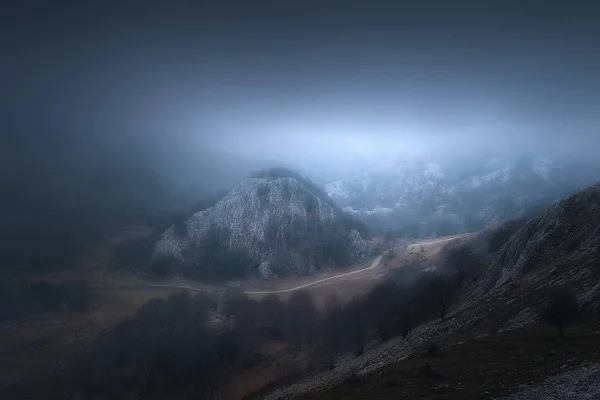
278	223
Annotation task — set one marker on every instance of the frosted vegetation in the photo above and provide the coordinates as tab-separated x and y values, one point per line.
274	220
420	198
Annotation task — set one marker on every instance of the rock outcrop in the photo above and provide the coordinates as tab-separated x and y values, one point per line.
567	232
278	224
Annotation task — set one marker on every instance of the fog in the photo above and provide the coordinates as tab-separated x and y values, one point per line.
325	84
199	95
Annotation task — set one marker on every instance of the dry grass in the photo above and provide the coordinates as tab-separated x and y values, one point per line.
39	342
491	354
36	344
478	367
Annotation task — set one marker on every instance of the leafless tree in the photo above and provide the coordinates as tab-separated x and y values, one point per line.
271	315
562	310
301	318
464	262
356	324
405	318
331	330
244	317
381	305
438	292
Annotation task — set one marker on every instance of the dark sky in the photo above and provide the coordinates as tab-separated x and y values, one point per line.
312	81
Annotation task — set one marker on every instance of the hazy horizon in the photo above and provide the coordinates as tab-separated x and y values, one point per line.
331	84
448	143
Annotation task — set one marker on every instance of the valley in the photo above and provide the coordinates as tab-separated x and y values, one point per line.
279	200
412	309
36	344
288	284
496	340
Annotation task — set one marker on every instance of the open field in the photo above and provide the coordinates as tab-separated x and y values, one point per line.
39	343
355	280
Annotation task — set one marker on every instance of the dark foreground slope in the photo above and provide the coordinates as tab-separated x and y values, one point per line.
494	340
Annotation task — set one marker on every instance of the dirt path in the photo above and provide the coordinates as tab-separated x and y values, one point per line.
373	265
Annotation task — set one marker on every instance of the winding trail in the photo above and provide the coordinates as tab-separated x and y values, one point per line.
373	265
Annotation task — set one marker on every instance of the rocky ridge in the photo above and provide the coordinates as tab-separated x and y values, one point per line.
278	223
567	232
559	248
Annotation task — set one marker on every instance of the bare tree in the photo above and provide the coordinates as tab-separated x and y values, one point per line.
562	310
244	315
331	330
405	318
271	315
356	324
464	262
301	318
440	290
381	305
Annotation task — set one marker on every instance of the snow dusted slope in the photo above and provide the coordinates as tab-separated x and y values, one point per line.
279	224
422	197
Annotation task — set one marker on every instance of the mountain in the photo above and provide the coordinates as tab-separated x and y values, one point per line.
275	222
503	320
422	197
566	234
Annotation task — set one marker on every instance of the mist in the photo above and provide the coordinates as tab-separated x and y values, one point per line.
221	199
194	98
286	82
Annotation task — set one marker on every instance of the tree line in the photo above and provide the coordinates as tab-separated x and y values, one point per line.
191	346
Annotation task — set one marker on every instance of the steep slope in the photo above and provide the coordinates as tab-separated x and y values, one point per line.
492	340
422	197
273	223
566	233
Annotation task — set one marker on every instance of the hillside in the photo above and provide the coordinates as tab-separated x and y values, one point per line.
568	233
495	338
418	197
426	330
274	223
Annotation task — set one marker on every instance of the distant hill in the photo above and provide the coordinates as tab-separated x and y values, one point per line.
428	197
275	222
